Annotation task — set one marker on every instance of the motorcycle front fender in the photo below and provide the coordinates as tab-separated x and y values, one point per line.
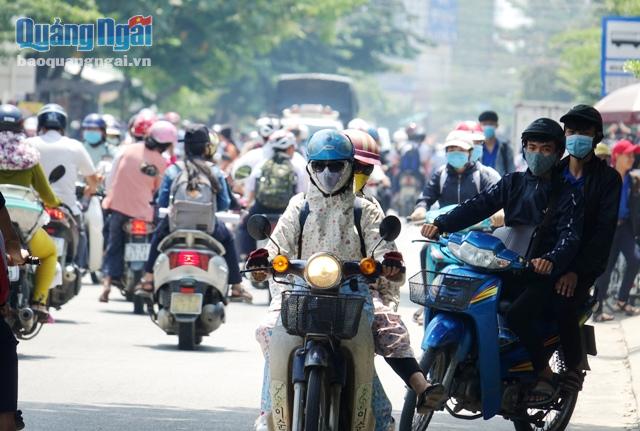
444	329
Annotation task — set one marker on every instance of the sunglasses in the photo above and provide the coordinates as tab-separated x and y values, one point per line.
361	168
333	165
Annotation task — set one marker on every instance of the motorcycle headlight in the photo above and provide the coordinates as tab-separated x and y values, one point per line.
323	271
478	257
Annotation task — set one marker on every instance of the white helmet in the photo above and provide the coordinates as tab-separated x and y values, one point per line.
400	136
281	140
358	124
267	125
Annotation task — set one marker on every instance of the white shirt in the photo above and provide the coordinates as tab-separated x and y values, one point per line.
56	150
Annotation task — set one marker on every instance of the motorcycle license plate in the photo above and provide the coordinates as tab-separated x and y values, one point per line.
60	246
186	303
14	273
134	252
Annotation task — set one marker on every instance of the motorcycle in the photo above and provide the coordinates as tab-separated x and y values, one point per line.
136	251
273	221
321	358
190	286
28	215
409	190
65	233
469	349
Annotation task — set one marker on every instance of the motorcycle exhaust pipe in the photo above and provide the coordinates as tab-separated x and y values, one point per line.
69	274
26	317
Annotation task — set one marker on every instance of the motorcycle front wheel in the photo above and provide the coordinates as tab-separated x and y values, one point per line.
434	364
315	400
558	415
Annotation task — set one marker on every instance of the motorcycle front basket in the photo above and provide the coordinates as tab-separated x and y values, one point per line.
305	313
442	290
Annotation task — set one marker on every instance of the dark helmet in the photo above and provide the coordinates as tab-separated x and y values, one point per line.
94	121
10	118
196	140
52	116
544	130
584	116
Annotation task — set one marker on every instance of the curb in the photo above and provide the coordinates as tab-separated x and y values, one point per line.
630	328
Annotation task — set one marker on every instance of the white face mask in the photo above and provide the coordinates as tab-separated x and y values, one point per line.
330	182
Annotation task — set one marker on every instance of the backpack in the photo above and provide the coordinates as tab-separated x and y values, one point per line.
277	183
444	174
357	217
193	200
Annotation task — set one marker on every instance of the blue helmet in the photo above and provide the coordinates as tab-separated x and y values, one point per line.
52	116
94	121
374	134
329	144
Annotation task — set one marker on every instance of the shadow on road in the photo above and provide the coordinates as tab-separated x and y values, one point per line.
202	348
22	357
121	417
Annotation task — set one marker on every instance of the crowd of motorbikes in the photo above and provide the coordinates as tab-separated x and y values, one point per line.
323	352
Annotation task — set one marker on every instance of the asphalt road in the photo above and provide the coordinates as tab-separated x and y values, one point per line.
99	367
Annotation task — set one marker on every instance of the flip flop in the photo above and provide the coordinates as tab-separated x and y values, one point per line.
602	317
240	295
545	389
430	399
141	291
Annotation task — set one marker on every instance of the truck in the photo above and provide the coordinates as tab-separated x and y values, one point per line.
333	93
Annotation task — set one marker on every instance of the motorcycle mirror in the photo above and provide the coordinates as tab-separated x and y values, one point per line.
259	227
390	228
57	173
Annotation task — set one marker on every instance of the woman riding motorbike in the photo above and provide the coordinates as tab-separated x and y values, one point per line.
198	152
331	204
20	166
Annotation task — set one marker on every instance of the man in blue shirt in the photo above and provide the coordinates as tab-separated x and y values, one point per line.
624	239
495	154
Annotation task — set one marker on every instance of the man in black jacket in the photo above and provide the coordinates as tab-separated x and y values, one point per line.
601	186
538	197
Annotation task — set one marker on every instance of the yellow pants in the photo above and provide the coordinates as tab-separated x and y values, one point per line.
43	247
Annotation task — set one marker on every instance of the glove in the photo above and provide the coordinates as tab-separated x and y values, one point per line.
394	259
258	258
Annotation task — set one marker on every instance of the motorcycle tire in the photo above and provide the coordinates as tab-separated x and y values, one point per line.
568	400
434	363
138	304
313	401
186	336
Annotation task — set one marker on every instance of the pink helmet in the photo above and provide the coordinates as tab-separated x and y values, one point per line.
143	122
472	127
163	132
366	148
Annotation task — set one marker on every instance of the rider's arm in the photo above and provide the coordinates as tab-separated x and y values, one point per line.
164	192
594	254
11	240
92	184
476	209
223	198
431	192
568	225
40	184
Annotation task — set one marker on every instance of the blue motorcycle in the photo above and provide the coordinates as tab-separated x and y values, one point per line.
468	348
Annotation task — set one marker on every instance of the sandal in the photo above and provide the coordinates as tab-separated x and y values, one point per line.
144	289
41	311
542	393
240	294
430	399
418	317
572	380
603	317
